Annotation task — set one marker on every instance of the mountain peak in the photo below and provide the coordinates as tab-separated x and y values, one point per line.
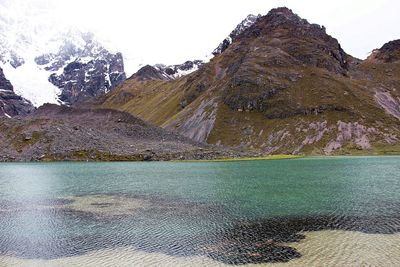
241	27
283	15
281	11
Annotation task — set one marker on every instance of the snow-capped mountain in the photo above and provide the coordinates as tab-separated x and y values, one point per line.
241	27
47	62
82	69
163	72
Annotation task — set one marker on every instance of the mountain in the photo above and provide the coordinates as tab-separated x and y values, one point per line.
11	104
55	132
49	63
83	71
282	85
241	27
163	72
388	53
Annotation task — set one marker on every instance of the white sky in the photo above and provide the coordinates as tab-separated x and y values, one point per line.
172	31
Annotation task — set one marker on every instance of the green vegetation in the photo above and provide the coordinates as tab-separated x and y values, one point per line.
270	157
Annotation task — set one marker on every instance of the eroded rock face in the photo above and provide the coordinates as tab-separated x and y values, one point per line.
388	53
356	133
83	72
10	103
389	103
199	125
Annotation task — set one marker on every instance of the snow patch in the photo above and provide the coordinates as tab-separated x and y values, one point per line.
181	73
31	82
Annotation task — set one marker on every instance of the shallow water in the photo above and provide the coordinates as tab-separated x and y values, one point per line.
338	211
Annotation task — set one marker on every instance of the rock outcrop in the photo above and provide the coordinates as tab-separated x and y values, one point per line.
388	53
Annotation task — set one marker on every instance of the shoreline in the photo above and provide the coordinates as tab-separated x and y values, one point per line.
217	159
270	157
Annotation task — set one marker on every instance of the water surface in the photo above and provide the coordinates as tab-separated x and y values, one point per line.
312	211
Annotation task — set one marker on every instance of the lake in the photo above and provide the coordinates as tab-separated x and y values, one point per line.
332	211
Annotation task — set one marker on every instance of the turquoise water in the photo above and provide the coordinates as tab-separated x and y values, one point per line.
186	203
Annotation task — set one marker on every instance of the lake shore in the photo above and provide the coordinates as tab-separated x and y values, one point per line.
269	157
201	156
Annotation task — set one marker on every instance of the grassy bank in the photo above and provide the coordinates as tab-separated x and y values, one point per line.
270	157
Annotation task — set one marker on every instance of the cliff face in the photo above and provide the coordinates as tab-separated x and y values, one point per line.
10	103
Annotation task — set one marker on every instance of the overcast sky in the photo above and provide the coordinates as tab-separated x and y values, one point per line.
160	31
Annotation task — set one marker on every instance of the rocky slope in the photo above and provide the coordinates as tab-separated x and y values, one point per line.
62	133
283	85
11	104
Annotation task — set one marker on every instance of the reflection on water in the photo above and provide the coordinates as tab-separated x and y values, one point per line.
252	213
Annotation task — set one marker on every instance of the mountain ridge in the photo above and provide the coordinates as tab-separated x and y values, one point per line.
34	62
283	86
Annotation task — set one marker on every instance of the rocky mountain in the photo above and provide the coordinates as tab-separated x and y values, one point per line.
388	53
11	104
55	132
241	27
84	71
163	72
282	85
49	64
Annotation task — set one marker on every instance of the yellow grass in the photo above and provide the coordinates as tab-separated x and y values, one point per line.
270	157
